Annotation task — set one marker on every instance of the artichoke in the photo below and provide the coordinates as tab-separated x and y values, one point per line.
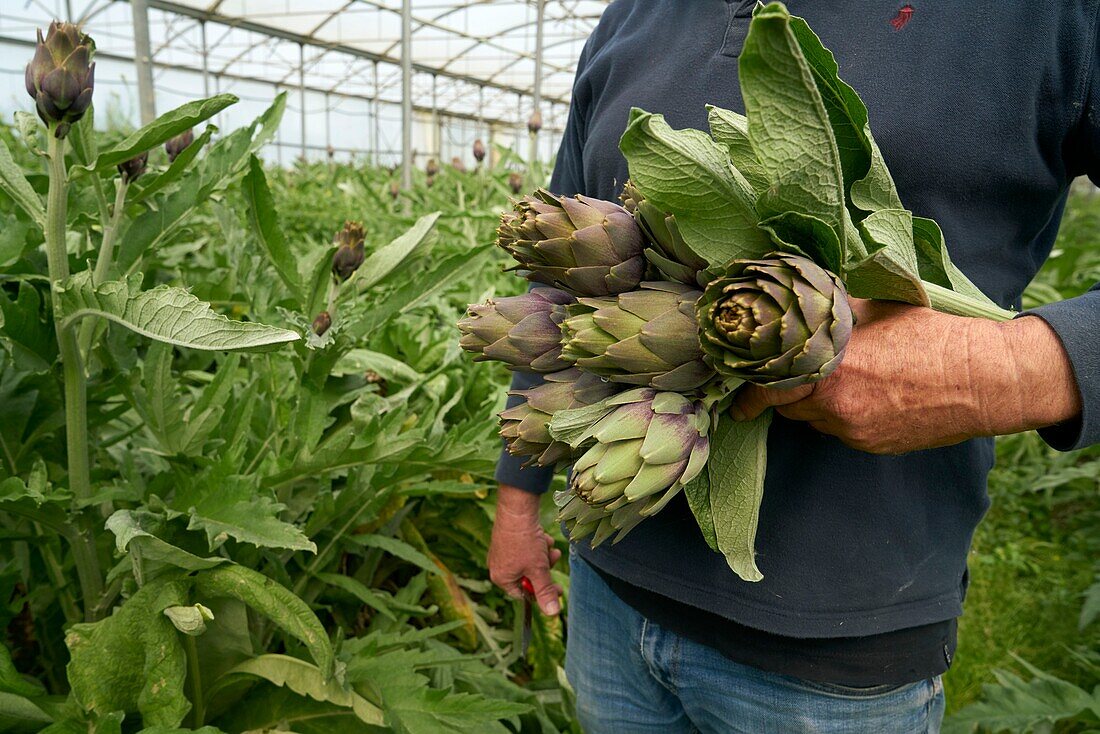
61	76
321	323
133	168
534	122
782	321
643	337
524	331
667	251
350	251
526	427
646	449
585	246
479	150
178	144
515	182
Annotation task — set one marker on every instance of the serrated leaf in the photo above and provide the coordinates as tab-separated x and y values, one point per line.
133	661
175	170
731	129
166	314
383	260
15	184
687	173
264	220
276	602
133	531
737	465
890	271
160	130
358	361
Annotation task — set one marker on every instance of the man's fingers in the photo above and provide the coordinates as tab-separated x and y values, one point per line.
546	591
555	556
752	400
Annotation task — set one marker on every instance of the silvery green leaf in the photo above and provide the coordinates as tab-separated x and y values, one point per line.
731	129
15	184
190	620
166	314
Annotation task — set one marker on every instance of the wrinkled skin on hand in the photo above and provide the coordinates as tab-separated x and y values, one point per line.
520	547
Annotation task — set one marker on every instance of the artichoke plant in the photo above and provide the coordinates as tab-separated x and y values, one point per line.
667	251
61	76
646	449
178	144
525	427
585	246
479	150
523	331
782	321
643	337
132	169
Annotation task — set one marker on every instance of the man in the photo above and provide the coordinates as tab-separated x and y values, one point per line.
985	112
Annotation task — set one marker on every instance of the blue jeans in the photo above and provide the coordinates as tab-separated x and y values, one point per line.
633	677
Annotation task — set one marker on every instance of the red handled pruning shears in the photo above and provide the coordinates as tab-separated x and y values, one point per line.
528	598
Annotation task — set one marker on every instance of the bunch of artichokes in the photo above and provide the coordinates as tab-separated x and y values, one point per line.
639	339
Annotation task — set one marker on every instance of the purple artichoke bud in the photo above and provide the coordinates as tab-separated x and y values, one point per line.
61	76
458	165
432	168
330	152
646	449
526	426
524	331
479	150
322	323
586	246
666	249
534	122
178	144
350	251
431	180
130	170
395	190
782	321
643	337
515	182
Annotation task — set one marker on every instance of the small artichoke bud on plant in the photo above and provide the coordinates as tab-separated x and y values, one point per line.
515	182
643	337
479	150
431	180
458	165
534	122
350	251
667	250
322	323
330	152
395	190
61	76
523	331
586	246
525	427
432	168
178	144
646	449
132	169
782	321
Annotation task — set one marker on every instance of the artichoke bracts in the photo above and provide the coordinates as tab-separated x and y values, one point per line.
582	245
646	449
61	76
526	426
524	331
643	337
783	321
667	251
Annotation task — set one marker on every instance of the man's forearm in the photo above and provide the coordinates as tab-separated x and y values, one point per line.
1023	376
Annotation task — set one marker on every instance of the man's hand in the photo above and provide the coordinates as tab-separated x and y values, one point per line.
520	547
913	378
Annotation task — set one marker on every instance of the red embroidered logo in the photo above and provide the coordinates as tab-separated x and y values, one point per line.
903	17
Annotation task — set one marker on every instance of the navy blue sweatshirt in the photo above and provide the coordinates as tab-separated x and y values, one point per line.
985	111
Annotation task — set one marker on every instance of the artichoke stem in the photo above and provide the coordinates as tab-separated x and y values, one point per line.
75	387
948	301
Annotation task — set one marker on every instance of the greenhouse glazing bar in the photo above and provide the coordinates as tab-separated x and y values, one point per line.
406	93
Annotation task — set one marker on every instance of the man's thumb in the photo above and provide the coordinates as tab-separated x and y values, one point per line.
546	592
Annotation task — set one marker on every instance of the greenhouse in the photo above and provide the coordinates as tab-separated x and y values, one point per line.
546	366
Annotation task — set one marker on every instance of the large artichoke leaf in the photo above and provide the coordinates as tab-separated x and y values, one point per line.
731	129
686	172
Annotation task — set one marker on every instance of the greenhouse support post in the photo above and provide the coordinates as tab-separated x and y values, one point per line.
143	61
302	92
406	94
536	95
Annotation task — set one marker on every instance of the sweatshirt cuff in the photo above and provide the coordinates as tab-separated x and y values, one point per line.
1076	321
510	469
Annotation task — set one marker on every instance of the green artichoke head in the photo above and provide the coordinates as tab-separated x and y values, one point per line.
61	76
643	337
782	321
665	248
582	245
523	331
525	426
645	450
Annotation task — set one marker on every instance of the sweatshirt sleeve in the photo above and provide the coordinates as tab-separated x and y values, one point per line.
1077	320
568	179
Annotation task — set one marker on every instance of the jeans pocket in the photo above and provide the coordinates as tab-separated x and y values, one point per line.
843	691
